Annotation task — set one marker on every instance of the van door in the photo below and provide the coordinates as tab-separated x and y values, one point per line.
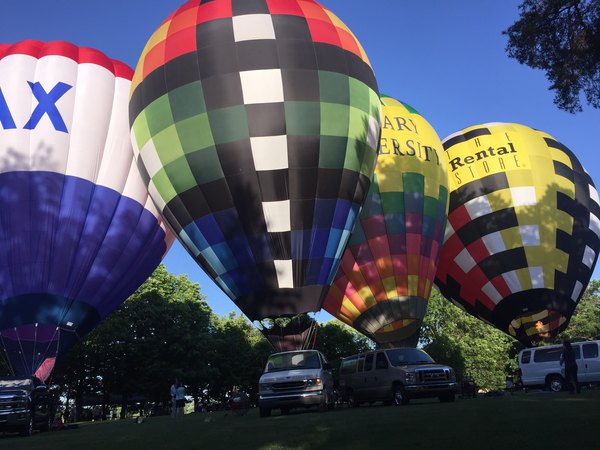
589	369
379	388
359	379
365	375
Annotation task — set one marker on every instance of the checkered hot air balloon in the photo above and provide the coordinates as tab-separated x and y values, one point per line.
387	271
523	230
256	124
78	231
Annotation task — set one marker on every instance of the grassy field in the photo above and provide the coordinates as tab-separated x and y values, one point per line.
521	421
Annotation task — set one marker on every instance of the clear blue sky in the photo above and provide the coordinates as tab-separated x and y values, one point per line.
445	58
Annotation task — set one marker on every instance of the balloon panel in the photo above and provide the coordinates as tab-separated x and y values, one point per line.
387	270
78	232
523	229
257	125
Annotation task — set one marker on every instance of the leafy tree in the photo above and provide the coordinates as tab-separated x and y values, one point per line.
470	346
585	322
337	340
561	37
159	333
238	354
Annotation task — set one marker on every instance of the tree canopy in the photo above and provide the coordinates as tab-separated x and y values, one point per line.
585	322
561	37
166	330
472	347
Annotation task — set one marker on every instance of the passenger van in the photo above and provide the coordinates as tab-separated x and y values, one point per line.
394	376
540	366
295	379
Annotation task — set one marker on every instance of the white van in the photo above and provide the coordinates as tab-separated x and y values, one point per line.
540	366
295	379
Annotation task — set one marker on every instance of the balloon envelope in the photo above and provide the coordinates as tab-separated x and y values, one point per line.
523	229
78	232
387	271
257	124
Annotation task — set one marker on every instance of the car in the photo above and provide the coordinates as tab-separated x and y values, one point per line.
25	404
395	376
540	366
296	379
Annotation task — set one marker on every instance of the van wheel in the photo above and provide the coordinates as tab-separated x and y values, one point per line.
352	403
47	424
265	412
27	430
331	400
399	396
555	383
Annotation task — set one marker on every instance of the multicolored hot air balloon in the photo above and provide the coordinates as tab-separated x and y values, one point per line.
78	231
256	124
523	229
387	271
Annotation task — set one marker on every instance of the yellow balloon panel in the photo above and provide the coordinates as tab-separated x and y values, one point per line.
387	270
523	234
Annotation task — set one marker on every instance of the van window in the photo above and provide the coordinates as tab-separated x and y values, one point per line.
526	357
590	350
361	364
381	361
406	356
308	359
348	365
369	362
553	354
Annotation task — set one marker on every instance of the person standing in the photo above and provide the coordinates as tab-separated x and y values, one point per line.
179	399
173	398
568	359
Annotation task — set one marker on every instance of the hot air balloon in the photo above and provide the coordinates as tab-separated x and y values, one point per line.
78	231
387	271
523	229
256	125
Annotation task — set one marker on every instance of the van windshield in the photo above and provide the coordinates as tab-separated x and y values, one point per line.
24	383
293	360
408	356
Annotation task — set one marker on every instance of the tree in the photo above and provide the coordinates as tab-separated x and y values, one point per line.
469	345
237	356
160	332
585	322
561	37
336	340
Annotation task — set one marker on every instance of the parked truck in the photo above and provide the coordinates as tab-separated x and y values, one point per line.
25	404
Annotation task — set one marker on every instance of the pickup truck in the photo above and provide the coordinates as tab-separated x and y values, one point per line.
25	404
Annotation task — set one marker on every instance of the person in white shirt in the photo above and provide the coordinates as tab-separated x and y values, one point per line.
173	398
179	399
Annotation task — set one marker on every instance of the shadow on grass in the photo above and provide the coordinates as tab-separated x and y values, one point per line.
518	421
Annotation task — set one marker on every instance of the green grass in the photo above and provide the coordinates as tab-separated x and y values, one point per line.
521	421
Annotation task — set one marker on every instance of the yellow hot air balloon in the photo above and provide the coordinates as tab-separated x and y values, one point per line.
523	230
387	270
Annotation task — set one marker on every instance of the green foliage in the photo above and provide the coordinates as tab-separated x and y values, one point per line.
166	330
585	323
470	346
561	37
336	340
237	355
